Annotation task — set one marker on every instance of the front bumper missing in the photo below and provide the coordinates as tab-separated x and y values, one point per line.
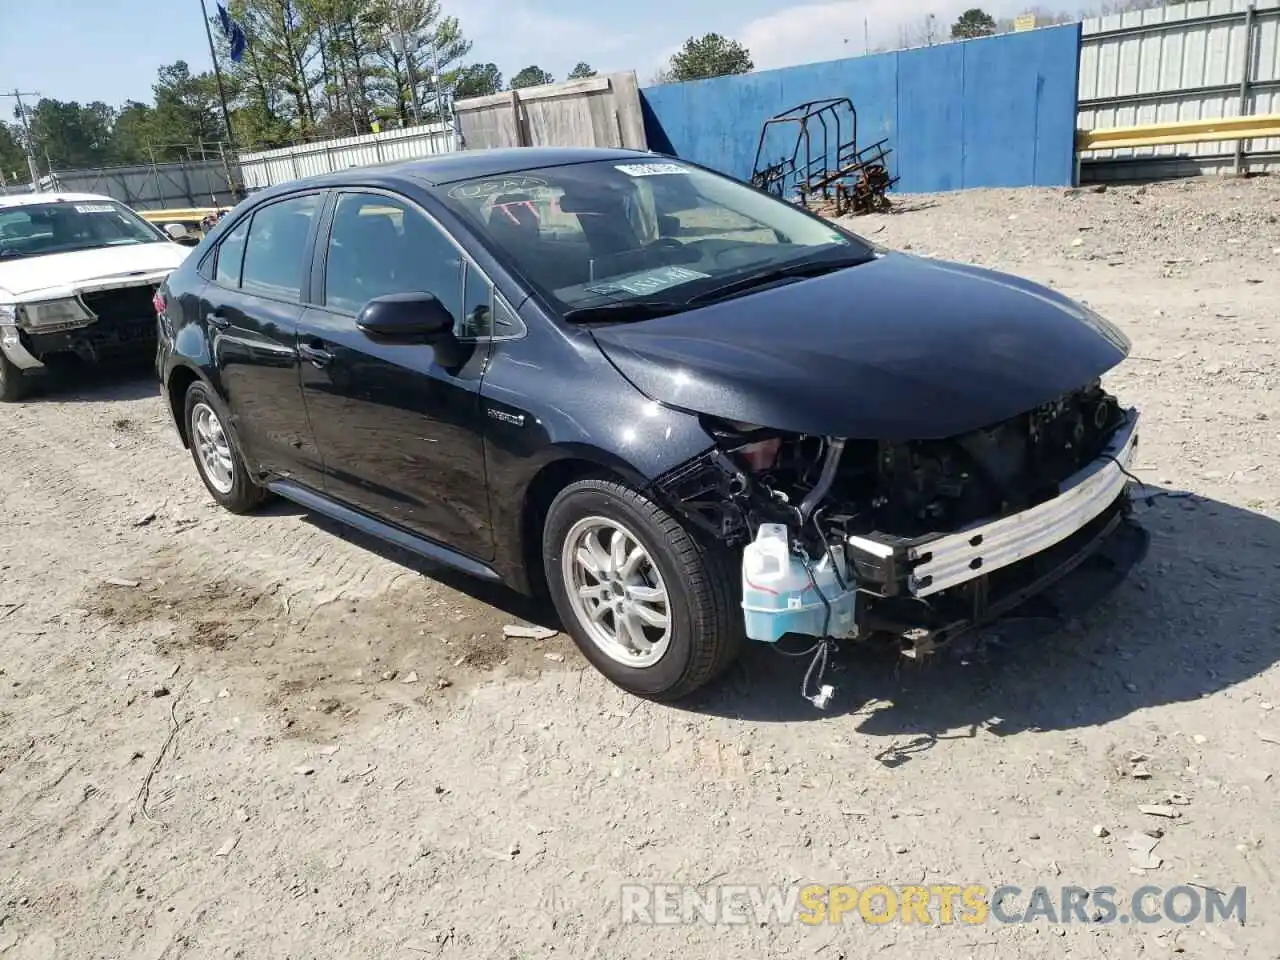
95	341
12	347
928	565
109	327
98	341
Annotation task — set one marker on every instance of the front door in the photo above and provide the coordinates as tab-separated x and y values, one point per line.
252	308
398	425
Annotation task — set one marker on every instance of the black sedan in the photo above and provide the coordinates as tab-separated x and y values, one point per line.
688	411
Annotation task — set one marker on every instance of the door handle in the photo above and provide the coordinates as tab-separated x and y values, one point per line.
318	357
215	318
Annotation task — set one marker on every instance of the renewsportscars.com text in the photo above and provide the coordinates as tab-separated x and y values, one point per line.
671	904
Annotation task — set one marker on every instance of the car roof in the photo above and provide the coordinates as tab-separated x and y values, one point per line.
27	199
468	164
449	168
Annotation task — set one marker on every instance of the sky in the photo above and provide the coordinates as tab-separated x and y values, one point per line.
88	50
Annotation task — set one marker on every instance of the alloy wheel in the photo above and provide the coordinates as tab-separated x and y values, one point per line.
616	592
212	447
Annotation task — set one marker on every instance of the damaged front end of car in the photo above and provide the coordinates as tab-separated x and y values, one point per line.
917	541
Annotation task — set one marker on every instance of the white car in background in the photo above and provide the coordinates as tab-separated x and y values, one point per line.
77	276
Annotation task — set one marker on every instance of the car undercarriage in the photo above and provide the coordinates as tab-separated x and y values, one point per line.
109	324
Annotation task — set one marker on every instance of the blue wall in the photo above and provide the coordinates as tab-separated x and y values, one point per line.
995	112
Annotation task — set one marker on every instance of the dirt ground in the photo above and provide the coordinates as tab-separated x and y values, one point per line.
246	737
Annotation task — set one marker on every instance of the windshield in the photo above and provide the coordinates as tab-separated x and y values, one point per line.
621	232
37	229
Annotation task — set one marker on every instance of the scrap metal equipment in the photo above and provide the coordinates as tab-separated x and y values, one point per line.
822	162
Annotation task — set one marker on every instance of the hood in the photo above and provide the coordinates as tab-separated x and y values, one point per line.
65	274
899	348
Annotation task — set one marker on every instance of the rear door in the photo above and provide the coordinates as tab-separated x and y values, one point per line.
251	308
398	429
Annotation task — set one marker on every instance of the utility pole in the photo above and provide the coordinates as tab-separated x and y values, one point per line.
406	42
222	101
399	41
413	80
217	73
437	81
28	145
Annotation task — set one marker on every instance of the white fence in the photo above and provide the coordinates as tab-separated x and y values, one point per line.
1192	61
269	167
602	111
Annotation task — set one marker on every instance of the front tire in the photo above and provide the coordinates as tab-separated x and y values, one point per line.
14	385
646	602
217	459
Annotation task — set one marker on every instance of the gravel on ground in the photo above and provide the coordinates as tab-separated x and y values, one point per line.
250	737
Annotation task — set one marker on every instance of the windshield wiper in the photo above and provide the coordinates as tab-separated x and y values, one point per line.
790	271
625	311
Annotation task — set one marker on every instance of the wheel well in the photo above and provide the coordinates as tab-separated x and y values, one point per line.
179	382
542	490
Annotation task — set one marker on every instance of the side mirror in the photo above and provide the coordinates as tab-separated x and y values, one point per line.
406	318
176	231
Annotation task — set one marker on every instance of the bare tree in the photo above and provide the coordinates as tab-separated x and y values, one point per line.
925	31
921	32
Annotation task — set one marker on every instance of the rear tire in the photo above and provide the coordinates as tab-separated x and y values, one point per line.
216	455
14	384
648	603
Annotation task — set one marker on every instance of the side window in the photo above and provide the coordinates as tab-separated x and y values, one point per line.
231	255
275	255
477	307
380	245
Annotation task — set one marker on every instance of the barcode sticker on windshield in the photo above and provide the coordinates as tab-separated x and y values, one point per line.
95	208
651	281
650	169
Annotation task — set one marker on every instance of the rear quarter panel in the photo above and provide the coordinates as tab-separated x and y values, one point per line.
183	348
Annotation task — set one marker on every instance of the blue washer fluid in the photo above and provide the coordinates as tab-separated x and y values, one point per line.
779	596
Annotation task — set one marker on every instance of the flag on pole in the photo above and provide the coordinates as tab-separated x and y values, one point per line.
233	32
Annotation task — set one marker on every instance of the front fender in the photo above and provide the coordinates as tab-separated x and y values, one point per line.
601	421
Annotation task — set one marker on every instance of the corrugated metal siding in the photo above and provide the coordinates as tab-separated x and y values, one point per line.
199	183
269	167
1172	63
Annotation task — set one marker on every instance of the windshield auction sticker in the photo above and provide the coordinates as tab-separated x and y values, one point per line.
650	169
651	281
94	208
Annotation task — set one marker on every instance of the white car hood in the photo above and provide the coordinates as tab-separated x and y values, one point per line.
56	275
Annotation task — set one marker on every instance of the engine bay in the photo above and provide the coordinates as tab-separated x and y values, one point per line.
915	542
904	490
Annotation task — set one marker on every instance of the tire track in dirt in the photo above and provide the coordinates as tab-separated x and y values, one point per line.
301	614
501	823
111	486
211	604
